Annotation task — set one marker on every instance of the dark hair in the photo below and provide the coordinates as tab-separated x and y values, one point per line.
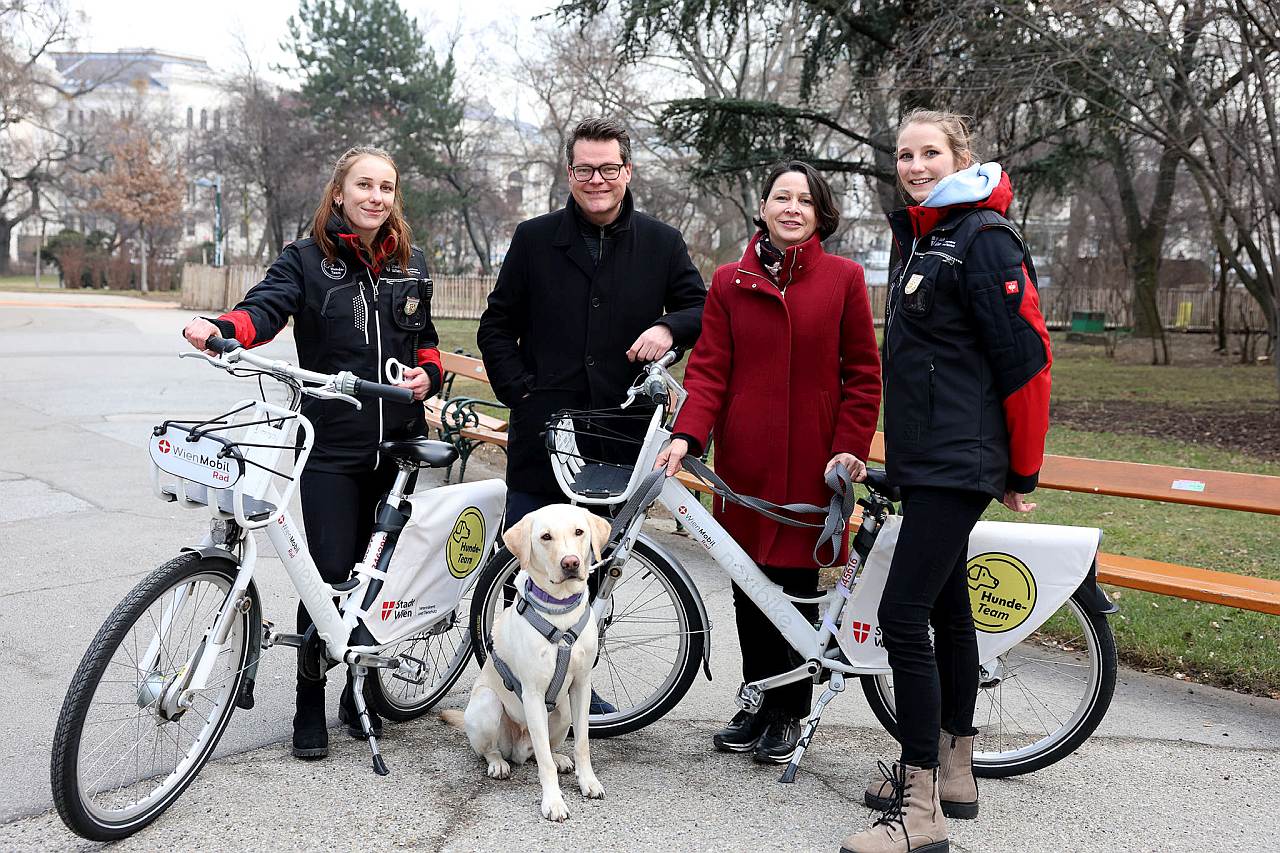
395	225
600	129
824	203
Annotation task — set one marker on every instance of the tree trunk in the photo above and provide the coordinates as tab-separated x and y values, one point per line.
142	245
6	230
1222	304
1144	269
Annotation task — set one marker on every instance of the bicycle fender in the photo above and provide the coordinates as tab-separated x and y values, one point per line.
213	552
693	590
1091	596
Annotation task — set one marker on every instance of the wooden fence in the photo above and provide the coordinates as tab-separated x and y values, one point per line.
206	288
463	297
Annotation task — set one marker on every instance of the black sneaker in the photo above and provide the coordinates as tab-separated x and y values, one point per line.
742	734
347	714
778	743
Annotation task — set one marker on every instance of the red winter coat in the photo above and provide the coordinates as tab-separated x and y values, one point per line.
784	383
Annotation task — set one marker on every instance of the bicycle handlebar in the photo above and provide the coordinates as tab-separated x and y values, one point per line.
391	393
343	383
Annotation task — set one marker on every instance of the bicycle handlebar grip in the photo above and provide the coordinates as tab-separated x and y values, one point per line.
222	345
878	481
390	393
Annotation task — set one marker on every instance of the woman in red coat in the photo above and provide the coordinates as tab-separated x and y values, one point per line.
787	378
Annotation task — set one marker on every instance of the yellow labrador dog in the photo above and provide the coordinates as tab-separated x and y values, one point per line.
538	668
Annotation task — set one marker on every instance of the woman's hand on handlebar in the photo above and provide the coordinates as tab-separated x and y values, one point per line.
856	467
1017	502
198	332
671	455
417	381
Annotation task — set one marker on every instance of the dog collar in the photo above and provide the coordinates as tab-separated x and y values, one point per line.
540	596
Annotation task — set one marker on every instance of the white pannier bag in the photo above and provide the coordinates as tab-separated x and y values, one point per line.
438	556
1019	575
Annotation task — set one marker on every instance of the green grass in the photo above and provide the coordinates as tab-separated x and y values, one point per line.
49	283
1205	642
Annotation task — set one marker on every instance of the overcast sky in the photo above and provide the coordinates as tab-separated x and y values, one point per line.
208	28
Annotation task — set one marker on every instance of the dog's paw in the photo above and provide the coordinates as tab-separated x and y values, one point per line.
498	769
553	806
564	763
590	786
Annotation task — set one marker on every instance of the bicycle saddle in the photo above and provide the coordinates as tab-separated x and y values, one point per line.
422	451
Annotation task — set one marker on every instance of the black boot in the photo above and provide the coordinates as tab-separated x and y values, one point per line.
310	729
348	716
742	734
778	743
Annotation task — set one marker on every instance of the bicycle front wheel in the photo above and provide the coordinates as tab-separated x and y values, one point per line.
1041	699
119	761
651	636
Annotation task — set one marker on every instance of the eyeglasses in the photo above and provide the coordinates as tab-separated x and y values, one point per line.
608	171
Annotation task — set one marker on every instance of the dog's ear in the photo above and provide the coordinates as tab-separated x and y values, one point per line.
517	540
599	528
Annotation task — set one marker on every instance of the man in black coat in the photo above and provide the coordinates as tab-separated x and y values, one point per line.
584	295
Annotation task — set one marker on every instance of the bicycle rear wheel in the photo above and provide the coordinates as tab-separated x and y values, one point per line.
444	651
117	762
651	637
1045	697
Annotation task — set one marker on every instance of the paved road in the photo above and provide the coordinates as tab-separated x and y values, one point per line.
1174	767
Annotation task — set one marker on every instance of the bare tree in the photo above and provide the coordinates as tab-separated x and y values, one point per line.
142	187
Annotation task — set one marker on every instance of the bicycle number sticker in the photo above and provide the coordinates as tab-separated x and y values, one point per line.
1002	591
201	461
466	543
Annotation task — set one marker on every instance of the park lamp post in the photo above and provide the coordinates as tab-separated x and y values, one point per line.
216	183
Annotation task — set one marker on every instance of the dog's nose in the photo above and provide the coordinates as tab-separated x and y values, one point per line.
571	563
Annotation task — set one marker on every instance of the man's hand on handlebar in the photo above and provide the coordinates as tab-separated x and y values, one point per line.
671	455
198	332
652	344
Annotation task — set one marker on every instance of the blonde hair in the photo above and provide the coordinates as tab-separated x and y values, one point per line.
955	127
395	225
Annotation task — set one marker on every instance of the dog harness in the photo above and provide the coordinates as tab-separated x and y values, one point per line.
529	602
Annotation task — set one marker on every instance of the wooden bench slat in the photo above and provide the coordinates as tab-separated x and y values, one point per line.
1221	489
464	365
1240	591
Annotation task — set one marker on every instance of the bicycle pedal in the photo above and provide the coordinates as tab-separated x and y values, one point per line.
750	698
412	670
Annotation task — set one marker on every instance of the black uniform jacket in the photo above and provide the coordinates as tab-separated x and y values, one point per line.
558	325
966	355
346	317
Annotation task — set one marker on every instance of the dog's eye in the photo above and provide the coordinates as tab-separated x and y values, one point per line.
578	532
546	537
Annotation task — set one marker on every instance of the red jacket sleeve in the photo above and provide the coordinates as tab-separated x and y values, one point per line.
859	372
706	379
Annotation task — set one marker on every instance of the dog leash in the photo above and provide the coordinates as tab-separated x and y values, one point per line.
837	512
563	641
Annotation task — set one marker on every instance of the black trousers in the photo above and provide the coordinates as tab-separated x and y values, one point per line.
765	652
338	514
935	684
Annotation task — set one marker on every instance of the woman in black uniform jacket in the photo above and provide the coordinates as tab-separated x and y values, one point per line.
359	294
966	409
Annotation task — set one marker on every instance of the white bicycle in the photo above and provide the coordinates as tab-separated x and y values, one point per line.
159	683
1048	659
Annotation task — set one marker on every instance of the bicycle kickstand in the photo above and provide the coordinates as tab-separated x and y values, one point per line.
357	694
836	685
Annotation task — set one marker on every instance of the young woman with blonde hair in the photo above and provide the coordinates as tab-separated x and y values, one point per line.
966	407
359	294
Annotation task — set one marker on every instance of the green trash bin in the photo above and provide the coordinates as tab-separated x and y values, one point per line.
1086	322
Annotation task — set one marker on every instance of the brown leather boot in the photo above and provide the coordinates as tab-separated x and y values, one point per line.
913	823
958	789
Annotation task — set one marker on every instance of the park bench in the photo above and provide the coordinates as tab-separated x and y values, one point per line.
1192	486
458	422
